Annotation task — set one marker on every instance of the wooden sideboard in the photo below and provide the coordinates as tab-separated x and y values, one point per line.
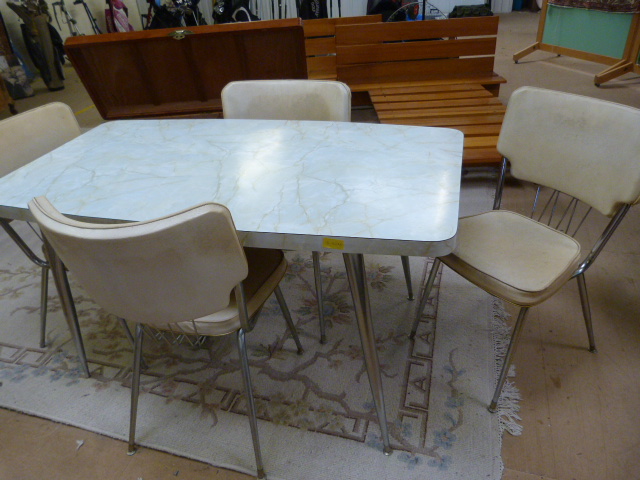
181	72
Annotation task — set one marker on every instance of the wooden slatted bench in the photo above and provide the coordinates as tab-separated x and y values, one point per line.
430	73
320	43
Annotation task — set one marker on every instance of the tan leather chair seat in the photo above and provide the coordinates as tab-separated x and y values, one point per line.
512	257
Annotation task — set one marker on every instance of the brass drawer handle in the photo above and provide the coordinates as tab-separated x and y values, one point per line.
180	34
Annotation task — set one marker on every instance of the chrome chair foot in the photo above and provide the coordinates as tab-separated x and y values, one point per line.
513	343
132	451
387	451
251	404
493	408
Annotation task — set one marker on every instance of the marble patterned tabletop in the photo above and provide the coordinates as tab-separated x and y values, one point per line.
323	186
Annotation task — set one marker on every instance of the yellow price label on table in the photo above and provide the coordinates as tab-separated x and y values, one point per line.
333	243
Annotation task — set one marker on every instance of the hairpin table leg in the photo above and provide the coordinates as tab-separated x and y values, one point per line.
354	264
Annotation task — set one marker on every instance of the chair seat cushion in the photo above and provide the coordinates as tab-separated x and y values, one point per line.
266	269
513	257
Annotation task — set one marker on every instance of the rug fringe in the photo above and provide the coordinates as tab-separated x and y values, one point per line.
509	401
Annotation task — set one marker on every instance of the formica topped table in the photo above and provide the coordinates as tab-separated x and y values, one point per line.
349	188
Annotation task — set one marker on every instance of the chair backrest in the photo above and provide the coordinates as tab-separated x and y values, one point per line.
29	135
176	268
584	147
287	100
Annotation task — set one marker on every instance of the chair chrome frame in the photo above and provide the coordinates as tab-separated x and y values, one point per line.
180	286
578	274
247	325
27	136
44	275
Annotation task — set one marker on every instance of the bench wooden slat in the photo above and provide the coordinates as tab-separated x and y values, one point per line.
481	80
324	27
405	31
430	104
481	141
477	130
476	80
417	50
444	112
452	122
321	68
413	70
422	97
419	88
481	156
320	46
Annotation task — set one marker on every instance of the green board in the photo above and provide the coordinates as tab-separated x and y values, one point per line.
591	31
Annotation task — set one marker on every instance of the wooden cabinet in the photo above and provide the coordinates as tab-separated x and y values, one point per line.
173	72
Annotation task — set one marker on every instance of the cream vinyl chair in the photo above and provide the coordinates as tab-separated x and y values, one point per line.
185	272
321	100
587	152
23	138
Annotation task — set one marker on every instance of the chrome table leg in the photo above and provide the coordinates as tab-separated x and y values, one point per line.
318	280
354	263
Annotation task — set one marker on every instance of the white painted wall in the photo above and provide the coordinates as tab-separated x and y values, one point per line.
501	6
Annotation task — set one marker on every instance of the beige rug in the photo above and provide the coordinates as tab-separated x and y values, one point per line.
316	414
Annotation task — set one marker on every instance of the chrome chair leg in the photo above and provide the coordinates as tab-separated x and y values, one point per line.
586	311
135	388
515	336
131	338
407	276
68	306
44	293
316	273
289	320
425	296
127	331
43	264
253	421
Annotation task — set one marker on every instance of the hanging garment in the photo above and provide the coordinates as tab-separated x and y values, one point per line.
116	16
15	78
175	13
43	49
229	11
311	9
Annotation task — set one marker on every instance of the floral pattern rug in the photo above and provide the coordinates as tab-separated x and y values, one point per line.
317	419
